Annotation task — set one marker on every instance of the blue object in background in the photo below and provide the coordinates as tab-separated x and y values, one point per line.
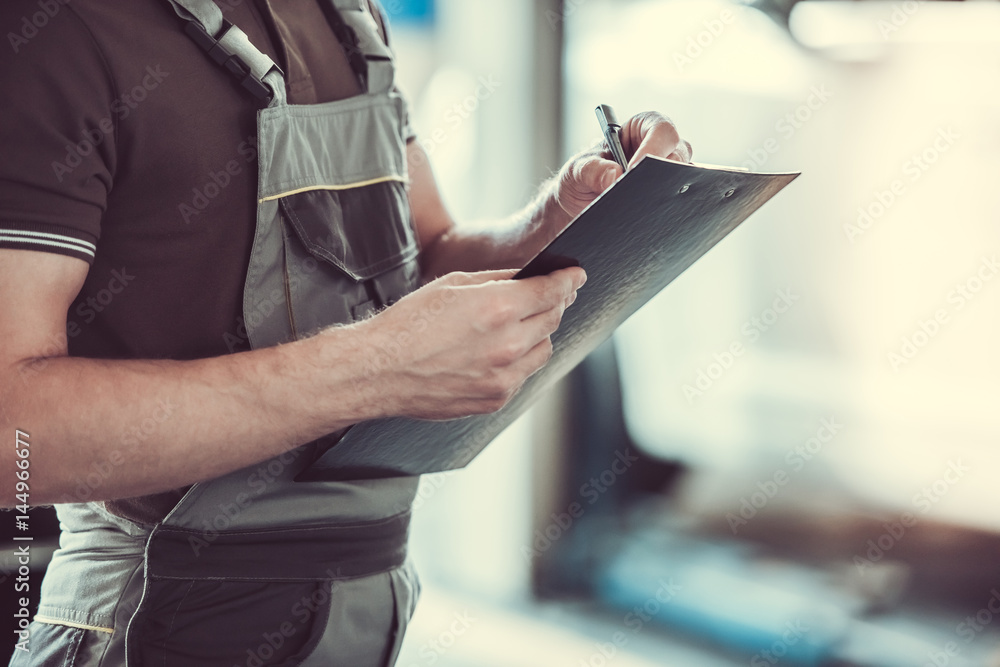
418	13
711	592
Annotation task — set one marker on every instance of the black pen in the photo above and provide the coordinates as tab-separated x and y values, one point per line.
612	134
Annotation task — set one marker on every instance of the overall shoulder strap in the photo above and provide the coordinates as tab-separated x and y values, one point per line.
366	43
230	48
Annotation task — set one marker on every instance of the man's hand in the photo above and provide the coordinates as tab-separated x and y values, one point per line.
463	344
593	171
447	248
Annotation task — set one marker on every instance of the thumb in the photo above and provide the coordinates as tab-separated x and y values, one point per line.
611	174
592	174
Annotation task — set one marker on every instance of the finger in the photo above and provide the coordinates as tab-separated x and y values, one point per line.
479	277
562	296
682	154
594	174
533	361
650	133
517	339
541	294
540	326
536	359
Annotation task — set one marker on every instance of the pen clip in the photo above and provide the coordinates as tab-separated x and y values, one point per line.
606	116
612	134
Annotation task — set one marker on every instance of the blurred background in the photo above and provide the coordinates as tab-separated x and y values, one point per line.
831	495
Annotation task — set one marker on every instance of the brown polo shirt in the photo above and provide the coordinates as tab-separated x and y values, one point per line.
125	146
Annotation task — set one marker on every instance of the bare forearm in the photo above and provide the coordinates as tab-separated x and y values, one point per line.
150	426
504	244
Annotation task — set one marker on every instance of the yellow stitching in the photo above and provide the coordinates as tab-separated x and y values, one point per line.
71	624
349	186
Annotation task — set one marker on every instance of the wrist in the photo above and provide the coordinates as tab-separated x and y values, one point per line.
555	211
550	213
344	375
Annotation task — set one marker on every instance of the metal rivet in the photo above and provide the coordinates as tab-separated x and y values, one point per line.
730	193
684	188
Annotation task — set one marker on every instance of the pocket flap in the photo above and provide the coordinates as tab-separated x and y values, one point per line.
358	230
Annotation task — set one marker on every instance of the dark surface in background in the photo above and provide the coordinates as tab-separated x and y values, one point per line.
597	436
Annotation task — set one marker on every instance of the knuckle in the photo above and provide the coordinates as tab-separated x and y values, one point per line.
661	125
499	390
551	289
553	319
504	354
499	310
456	279
493	386
670	133
661	120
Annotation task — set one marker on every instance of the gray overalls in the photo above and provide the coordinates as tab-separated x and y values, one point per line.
254	568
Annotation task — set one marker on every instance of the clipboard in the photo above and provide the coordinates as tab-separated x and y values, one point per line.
657	220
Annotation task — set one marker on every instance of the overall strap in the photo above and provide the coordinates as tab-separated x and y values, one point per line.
230	48
366	44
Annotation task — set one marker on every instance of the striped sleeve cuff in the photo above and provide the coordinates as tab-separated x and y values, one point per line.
48	238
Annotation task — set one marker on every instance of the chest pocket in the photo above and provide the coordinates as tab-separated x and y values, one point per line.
348	253
335	240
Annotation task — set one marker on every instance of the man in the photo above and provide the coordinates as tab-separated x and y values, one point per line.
201	277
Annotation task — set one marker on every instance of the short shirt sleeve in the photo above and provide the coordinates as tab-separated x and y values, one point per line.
57	129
